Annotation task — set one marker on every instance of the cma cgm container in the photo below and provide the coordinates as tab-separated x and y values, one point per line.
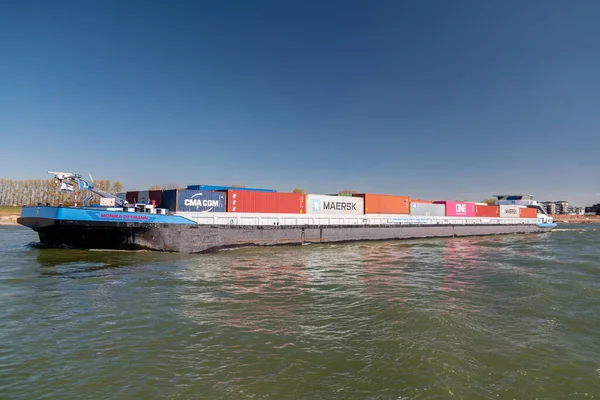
194	200
323	204
458	208
487	211
224	188
427	209
385	203
528	212
131	197
265	202
507	211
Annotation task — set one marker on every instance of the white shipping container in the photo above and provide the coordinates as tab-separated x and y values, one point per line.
144	197
323	204
507	211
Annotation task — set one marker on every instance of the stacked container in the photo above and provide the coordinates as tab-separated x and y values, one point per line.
225	188
385	203
458	208
528	212
507	211
427	209
487	211
131	197
194	200
323	204
265	202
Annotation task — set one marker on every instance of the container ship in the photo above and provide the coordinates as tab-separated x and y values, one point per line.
208	218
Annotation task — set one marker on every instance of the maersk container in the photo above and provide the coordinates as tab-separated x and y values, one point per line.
508	211
427	209
385	203
131	197
323	204
458	208
225	188
484	210
265	202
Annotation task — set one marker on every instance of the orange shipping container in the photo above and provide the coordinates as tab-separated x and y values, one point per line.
421	201
527	212
487	211
385	203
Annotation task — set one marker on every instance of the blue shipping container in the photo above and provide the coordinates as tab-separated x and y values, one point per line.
194	200
211	187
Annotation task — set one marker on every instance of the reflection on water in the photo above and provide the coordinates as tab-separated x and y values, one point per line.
493	317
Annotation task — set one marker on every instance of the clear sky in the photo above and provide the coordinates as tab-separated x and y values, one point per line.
432	99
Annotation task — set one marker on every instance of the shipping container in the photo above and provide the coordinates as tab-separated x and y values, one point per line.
421	201
131	197
458	208
144	196
156	198
194	200
427	209
509	211
225	188
323	204
528	212
385	203
265	202
122	195
487	211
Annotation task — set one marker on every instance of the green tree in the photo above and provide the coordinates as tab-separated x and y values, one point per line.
489	202
298	191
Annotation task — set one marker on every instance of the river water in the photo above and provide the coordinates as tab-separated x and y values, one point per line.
504	317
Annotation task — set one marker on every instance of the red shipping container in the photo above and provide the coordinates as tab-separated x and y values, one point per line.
385	203
458	208
131	197
487	211
156	197
265	202
528	212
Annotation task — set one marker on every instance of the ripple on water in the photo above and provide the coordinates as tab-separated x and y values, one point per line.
491	317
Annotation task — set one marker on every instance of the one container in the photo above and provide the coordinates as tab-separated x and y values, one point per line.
265	202
385	203
528	212
509	211
131	197
194	200
487	211
224	188
144	196
427	209
156	197
458	208
323	204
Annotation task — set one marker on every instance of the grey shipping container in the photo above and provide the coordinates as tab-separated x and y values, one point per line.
195	200
428	210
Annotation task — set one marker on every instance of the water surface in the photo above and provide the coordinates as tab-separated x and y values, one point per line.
504	317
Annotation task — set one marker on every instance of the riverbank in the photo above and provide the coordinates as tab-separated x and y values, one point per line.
576	219
9	215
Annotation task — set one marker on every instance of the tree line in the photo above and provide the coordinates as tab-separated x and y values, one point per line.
46	191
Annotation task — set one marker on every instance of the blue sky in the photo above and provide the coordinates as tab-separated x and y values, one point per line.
431	99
